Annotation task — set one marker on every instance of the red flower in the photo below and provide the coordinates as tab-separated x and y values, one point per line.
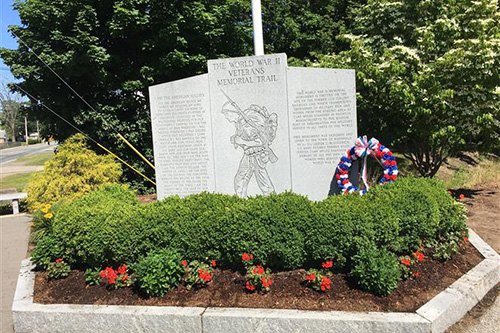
417	274
419	256
406	262
466	239
112	281
267	282
213	263
250	287
327	264
122	269
184	263
310	277
246	257
59	260
325	283
260	270
462	197
125	278
205	275
103	274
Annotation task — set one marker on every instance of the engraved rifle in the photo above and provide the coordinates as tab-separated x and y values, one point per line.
272	156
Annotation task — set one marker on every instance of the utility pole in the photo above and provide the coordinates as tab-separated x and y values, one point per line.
258	39
26	128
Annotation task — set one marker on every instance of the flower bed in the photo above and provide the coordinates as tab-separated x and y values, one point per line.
288	290
376	240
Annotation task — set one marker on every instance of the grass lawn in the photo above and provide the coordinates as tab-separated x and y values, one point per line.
18	181
36	159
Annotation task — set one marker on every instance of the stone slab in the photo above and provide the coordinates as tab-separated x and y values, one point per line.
322	122
484	248
182	136
51	318
479	280
87	318
446	308
237	320
253	126
257	88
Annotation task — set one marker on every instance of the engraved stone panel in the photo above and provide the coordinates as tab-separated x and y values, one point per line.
182	137
322	108
252	126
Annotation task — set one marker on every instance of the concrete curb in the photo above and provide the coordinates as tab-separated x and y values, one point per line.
435	316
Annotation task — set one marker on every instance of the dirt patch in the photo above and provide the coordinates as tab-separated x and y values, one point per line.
227	290
146	198
483	205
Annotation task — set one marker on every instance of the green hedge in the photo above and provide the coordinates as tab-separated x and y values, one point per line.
282	231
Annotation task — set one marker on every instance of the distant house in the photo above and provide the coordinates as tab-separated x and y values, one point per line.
3	136
34	135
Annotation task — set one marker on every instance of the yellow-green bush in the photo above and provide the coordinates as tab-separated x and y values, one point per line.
74	171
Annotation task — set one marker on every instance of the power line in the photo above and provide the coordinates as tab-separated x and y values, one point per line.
77	94
80	131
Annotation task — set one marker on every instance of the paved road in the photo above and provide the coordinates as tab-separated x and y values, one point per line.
14	233
11	154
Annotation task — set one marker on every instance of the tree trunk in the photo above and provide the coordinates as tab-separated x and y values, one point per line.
13	128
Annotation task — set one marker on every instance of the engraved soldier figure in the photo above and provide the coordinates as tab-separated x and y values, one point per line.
255	131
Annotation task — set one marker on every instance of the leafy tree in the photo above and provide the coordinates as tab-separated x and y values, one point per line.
110	51
427	75
304	28
11	109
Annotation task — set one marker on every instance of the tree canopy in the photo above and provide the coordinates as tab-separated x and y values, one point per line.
110	51
427	75
427	71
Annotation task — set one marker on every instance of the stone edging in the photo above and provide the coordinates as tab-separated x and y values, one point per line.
435	316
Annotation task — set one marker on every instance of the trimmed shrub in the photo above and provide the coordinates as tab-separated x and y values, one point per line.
270	229
283	231
72	172
343	223
97	229
376	270
416	207
202	224
452	214
159	272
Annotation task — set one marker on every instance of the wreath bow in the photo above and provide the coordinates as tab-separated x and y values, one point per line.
363	148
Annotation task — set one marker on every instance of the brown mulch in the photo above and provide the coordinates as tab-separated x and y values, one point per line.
227	290
146	198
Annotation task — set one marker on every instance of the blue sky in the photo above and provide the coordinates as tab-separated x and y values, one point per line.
8	16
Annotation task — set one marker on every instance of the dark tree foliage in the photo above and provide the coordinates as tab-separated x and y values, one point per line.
110	51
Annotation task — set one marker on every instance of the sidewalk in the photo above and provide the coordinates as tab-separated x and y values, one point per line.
14	233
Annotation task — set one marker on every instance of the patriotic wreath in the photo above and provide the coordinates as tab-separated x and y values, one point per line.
362	149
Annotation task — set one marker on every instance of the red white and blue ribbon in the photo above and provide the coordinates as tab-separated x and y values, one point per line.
362	149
